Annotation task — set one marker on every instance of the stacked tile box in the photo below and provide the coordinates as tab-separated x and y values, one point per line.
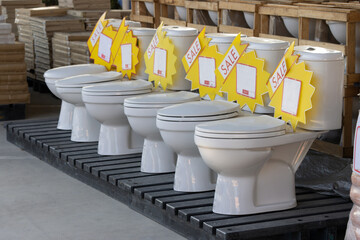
86	4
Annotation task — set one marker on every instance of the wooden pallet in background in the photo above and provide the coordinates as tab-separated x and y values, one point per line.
198	6
167	7
140	14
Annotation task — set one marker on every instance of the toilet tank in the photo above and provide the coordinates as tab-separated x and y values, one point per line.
328	79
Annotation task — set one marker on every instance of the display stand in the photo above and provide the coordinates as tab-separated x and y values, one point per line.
192	6
168	6
140	14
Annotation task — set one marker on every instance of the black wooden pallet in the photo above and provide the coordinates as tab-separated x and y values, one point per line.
190	214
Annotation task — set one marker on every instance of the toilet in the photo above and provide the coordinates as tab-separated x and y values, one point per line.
272	51
144	36
177	124
105	103
84	127
52	75
256	156
292	25
141	112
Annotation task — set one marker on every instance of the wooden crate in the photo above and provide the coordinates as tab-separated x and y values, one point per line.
210	5
351	88
140	14
167	8
240	6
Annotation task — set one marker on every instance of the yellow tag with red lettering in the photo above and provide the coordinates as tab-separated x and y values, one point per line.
160	59
244	75
125	51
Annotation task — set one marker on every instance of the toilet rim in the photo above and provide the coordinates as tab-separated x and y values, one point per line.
81	85
198	118
236	136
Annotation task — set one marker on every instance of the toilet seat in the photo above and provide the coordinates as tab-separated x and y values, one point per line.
87	79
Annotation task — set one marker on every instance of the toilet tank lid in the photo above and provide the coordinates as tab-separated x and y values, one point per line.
164	98
244	125
72	70
265	43
199	109
139	31
119	86
307	52
221	37
85	79
180	31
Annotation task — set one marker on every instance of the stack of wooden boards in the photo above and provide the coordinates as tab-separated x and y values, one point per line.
8	8
86	4
13	84
6	36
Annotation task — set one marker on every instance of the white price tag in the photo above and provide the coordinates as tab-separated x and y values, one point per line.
160	60
96	33
246	80
291	96
207	72
229	62
126	56
356	160
279	75
105	43
151	48
193	52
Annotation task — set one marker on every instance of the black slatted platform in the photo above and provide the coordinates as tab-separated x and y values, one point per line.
190	214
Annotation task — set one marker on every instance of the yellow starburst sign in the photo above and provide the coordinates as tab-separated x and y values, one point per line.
125	51
244	75
160	59
102	50
200	63
283	67
292	98
99	27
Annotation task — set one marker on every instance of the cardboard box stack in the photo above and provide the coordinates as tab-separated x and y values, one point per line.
61	46
43	29
86	4
79	52
25	33
8	8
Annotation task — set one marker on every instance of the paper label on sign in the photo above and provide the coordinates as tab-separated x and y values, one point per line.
126	56
160	60
207	76
356	163
193	52
105	43
291	96
246	80
229	62
154	42
279	75
96	34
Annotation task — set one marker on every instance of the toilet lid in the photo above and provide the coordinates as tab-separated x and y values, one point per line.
160	99
199	111
119	88
86	79
139	31
243	127
73	70
265	43
317	53
179	31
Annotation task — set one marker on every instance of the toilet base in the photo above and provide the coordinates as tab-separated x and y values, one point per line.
192	175
157	157
237	196
119	140
84	127
66	116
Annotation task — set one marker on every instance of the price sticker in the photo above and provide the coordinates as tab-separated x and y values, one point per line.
160	60
246	80
291	96
105	43
207	76
126	56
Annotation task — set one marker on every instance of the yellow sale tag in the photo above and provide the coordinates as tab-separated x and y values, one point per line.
160	59
292	98
95	35
125	51
244	75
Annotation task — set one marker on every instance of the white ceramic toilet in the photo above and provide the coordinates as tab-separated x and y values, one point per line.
105	103
84	127
256	157
141	112
272	51
292	25
52	75
177	124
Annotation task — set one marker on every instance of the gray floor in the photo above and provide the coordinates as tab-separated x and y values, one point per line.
39	202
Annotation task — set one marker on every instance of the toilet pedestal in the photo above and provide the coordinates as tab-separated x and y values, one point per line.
66	116
84	127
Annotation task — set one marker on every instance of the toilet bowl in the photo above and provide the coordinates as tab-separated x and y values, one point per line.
84	127
141	112
272	51
182	12
249	19
177	124
214	17
150	7
105	103
144	36
338	30
182	38
52	75
292	25
256	157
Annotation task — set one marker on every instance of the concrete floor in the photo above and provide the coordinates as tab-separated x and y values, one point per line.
39	202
